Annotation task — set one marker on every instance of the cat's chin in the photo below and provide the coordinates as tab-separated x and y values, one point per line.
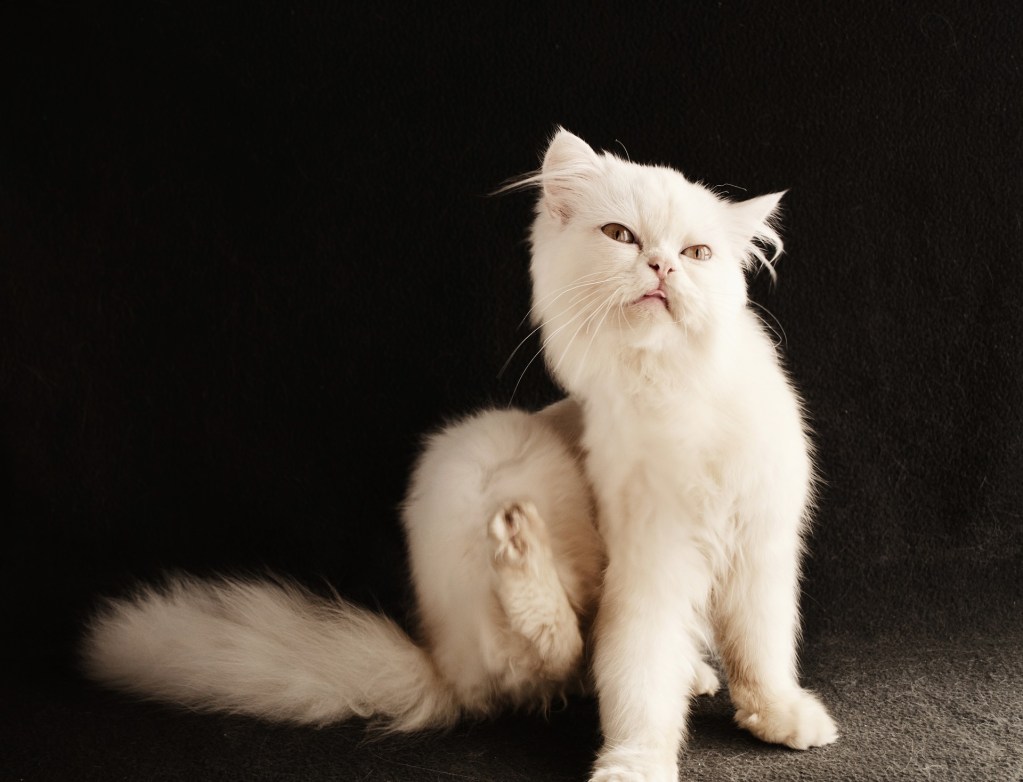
652	329
656	299
649	313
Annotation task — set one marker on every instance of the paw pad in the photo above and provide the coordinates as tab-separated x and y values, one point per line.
509	531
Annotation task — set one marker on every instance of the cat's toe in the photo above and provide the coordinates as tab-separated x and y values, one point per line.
706	681
623	764
513	531
799	722
615	775
504	529
621	774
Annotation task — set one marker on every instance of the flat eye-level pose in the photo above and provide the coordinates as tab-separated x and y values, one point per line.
610	540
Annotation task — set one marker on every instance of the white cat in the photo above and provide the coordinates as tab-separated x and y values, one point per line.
608	539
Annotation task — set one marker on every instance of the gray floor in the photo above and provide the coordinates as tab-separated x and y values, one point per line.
909	708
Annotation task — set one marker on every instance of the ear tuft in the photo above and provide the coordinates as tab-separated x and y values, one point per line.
755	224
567	165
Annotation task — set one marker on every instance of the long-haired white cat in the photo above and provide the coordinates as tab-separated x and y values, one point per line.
610	539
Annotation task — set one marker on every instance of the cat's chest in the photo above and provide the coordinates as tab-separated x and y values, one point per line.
665	437
663	476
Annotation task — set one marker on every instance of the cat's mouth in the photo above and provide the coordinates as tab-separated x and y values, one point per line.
656	296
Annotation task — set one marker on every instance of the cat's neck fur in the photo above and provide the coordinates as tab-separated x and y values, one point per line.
671	368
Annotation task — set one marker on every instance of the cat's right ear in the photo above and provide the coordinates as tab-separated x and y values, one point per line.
568	165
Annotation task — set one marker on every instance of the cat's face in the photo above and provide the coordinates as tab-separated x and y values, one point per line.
633	257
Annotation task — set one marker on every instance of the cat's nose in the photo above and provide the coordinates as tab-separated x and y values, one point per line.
660	267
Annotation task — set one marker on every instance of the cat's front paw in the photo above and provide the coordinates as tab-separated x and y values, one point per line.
799	721
616	775
634	765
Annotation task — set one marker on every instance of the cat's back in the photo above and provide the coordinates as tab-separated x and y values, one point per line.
473	466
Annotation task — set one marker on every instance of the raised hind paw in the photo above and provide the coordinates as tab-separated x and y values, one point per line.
515	532
798	721
529	590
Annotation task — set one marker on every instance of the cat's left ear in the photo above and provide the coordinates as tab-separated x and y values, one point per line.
755	227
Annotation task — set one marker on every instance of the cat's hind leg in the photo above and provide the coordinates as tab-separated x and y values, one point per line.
530	592
706	681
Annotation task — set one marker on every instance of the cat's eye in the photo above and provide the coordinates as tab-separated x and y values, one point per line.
698	252
619	233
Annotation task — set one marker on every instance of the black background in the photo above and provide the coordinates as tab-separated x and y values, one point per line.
249	255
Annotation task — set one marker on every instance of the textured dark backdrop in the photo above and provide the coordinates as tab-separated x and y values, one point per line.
248	256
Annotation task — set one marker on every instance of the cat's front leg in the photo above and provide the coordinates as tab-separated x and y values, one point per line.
757	623
645	662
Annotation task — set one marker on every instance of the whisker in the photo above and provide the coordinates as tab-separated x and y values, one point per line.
515	350
582	325
607	311
574	301
622	316
782	337
543	346
582	282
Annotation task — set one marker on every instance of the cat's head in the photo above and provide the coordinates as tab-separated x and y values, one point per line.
632	259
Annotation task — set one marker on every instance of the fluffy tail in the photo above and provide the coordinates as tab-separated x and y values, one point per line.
266	649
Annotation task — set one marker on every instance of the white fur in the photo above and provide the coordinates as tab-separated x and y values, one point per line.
695	447
268	649
476	611
667	498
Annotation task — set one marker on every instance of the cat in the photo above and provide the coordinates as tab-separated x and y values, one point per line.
606	542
